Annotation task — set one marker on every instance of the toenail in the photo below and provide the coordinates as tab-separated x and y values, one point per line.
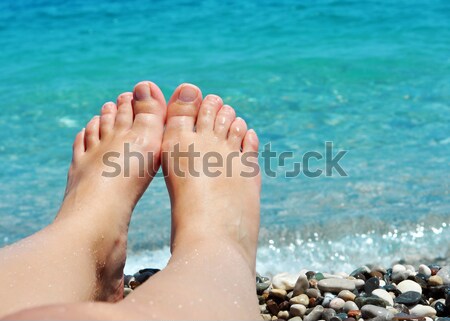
188	94
142	92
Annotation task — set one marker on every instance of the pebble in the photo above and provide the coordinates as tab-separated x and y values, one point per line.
126	291
383	294
327	297
315	314
300	299
327	314
337	304
373	300
144	274
295	319
423	311
371	284
262	283
284	281
350	305
283	315
359	283
425	270
266	317
435	280
335	318
297	310
372	311
444	273
409	298
336	285
347	295
354	314
272	307
301	285
408	285
277	293
313	293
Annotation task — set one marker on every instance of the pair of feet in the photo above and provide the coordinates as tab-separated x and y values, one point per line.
214	193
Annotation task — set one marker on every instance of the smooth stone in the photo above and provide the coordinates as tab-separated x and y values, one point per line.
272	307
398	277
262	283
425	270
444	273
372	300
350	305
337	304
301	285
409	298
398	268
284	305
266	317
359	284
336	285
262	308
383	294
278	293
421	279
315	314
372	311
335	318
327	314
295	319
435	280
327	297
284	281
354	314
440	309
300	299
392	288
313	293
347	295
371	284
423	311
408	285
283	315
407	317
297	310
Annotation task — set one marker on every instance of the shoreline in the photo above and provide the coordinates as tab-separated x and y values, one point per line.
376	293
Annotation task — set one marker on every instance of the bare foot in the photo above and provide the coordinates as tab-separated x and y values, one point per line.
104	184
211	203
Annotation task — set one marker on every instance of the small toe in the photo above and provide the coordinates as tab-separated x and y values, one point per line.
237	132
92	135
182	109
78	145
149	107
207	113
124	118
250	142
225	117
107	119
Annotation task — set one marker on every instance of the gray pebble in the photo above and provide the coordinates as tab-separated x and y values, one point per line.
313	293
372	311
327	314
301	285
315	314
336	285
350	305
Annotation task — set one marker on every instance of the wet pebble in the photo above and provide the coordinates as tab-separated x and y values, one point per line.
372	311
371	284
408	285
409	298
423	311
336	285
383	294
425	270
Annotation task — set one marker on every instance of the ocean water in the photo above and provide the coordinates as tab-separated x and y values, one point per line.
373	77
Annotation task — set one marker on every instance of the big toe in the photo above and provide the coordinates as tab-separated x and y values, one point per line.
183	109
149	108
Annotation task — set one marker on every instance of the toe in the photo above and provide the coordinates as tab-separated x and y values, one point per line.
225	117
92	135
250	142
124	118
237	132
207	113
149	108
183	109
107	119
78	145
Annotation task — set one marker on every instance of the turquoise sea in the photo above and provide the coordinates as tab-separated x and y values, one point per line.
373	77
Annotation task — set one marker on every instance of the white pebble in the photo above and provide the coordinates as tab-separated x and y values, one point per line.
425	270
397	268
423	311
383	294
408	285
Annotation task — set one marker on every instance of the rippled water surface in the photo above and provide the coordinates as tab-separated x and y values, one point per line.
373	77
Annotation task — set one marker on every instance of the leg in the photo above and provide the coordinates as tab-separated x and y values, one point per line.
215	217
81	255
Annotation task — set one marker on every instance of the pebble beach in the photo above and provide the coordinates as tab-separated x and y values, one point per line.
402	292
